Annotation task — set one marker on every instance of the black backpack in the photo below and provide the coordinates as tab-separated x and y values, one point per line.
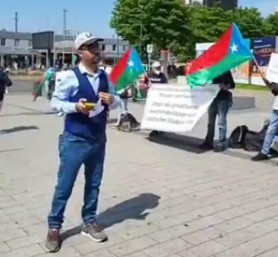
128	123
237	137
251	141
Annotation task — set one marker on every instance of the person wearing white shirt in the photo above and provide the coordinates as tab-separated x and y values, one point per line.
272	129
83	140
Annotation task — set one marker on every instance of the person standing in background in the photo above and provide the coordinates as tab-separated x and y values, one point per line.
5	82
156	76
219	107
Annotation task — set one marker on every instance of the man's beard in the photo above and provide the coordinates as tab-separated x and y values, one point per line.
96	59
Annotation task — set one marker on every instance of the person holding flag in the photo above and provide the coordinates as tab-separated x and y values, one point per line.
219	107
272	130
124	77
127	71
214	66
83	95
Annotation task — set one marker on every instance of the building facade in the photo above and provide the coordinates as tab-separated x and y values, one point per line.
226	4
17	48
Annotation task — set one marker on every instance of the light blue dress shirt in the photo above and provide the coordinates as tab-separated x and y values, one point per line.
67	86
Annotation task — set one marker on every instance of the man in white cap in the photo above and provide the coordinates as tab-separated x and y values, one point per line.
157	76
84	138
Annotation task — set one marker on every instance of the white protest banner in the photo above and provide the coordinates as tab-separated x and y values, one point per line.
272	69
176	108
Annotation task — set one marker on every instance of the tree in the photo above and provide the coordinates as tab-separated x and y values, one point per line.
196	4
208	23
250	22
272	24
170	24
166	24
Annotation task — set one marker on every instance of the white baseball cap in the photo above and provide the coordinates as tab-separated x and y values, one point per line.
156	64
85	38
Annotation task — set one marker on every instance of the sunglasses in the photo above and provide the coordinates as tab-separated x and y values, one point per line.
90	47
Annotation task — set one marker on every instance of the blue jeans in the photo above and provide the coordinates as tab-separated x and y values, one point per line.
75	151
271	132
218	108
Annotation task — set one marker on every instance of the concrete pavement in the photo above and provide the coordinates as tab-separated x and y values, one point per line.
158	199
20	86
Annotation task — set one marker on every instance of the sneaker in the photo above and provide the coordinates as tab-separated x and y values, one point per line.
53	241
156	133
260	157
95	232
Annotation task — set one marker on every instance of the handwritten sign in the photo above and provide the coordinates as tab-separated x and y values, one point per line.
272	69
176	108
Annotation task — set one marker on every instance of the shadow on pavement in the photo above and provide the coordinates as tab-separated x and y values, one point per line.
190	144
17	129
186	143
133	208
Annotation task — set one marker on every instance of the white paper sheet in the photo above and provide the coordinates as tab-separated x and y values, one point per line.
98	109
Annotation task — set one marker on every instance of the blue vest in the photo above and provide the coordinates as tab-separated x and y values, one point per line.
79	124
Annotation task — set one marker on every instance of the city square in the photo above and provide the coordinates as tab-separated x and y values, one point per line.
139	128
157	199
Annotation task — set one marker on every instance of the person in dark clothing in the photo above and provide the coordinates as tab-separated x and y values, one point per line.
4	83
219	107
157	77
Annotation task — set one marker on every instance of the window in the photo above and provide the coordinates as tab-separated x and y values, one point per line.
103	47
3	41
114	48
124	48
16	42
30	43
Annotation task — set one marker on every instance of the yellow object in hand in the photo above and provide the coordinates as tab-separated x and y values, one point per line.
90	106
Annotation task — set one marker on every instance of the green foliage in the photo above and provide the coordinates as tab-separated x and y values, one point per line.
166	24
272	22
169	24
250	22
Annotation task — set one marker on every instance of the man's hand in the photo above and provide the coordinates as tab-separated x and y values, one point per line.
80	106
106	98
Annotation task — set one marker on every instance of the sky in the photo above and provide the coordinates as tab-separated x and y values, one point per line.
82	15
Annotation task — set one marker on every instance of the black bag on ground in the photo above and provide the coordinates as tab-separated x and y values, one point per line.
128	123
253	141
249	140
237	137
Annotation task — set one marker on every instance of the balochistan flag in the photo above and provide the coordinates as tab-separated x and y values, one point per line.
127	70
228	52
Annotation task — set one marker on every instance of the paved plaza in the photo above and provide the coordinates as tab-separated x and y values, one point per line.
158	199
